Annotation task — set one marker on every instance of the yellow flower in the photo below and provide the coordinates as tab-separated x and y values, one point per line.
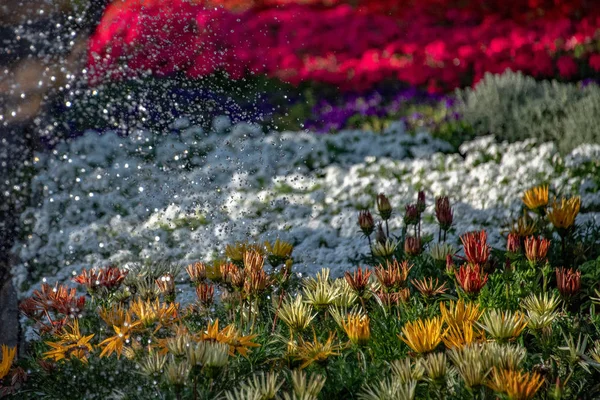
503	325
524	226
149	312
295	313
517	385
237	251
422	336
113	316
117	342
357	328
563	214
460	335
536	197
71	345
278	252
230	336
8	355
315	351
460	312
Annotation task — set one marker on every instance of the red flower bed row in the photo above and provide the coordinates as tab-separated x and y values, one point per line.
336	45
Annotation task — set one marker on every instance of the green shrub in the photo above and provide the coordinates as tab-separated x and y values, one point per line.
515	107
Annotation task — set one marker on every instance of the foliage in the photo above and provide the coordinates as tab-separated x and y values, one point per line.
515	107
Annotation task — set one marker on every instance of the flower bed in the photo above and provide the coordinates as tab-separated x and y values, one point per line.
419	319
182	196
289	43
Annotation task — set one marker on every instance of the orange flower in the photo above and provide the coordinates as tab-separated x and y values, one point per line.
359	281
471	278
477	251
8	355
562	215
536	249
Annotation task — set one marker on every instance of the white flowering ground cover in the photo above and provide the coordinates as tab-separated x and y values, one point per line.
180	197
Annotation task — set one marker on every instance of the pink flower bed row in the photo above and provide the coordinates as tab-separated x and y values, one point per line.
336	45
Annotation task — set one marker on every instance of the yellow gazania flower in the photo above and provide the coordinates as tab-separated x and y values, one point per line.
113	316
71	345
517	385
149	312
357	328
117	342
229	335
536	197
422	336
524	226
563	214
503	325
8	355
459	335
237	251
460	312
315	351
278	252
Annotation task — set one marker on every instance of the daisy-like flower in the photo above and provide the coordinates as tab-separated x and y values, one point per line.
306	388
524	226
296	314
517	385
563	213
205	293
422	336
412	246
149	313
116	343
428	288
460	312
229	335
471	278
441	251
406	370
541	310
388	389
460	335
114	315
436	367
568	281
322	295
72	344
477	251
309	352
196	272
366	222
152	364
279	252
109	278
253	260
237	251
471	364
8	355
536	198
359	280
503	325
357	328
394	275
536	248
384	249
505	355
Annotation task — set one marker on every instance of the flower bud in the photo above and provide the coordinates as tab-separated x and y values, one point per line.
412	246
411	216
513	243
443	212
366	223
421	201
384	207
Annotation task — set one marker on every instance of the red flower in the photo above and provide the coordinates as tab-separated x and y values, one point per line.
567	66
477	251
536	249
471	278
594	62
108	277
513	244
568	281
443	212
359	281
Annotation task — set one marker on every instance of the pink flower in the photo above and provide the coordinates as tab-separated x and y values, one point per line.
567	66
